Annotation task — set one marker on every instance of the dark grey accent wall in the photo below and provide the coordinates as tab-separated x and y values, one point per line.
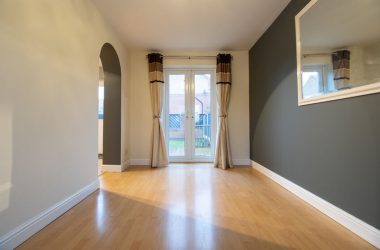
112	106
331	149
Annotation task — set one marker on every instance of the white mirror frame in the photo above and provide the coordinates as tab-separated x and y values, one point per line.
347	93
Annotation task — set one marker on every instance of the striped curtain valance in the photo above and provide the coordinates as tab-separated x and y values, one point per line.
223	69
155	68
341	67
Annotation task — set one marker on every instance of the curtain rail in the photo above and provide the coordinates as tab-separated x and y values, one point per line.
189	57
319	54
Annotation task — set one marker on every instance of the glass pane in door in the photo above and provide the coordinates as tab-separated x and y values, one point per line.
177	109
202	115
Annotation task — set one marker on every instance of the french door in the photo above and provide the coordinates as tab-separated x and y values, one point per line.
190	115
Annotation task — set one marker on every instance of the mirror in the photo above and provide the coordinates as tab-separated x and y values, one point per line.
338	50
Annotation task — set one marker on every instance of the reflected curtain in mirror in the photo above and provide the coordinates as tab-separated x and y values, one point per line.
341	67
159	153
223	89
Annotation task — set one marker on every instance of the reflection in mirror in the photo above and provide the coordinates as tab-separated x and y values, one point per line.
339	47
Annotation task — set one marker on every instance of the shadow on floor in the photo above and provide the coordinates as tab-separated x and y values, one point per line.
106	220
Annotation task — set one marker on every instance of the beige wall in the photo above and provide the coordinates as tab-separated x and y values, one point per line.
365	64
357	67
100	136
140	112
372	62
48	103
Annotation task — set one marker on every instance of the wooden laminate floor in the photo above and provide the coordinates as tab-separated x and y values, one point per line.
195	206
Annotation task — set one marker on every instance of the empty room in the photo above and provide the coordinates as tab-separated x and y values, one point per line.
189	124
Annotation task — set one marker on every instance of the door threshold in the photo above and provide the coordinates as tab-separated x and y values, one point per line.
189	162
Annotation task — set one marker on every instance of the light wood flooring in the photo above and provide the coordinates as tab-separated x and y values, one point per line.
192	206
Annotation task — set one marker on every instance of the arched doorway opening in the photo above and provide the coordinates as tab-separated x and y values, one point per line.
109	118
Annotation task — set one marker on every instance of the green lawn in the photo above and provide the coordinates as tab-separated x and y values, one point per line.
177	148
176	143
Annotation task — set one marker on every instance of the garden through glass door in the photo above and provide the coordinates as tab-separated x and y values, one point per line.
189	115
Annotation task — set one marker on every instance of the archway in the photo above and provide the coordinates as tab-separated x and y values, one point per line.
111	107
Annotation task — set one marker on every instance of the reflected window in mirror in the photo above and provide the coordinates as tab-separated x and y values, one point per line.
338	50
317	80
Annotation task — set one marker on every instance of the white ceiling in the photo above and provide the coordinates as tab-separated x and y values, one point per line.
190	24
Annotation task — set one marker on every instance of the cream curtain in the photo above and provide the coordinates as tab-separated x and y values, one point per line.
223	89
159	154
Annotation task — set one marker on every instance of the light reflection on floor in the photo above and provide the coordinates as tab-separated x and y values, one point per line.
101	213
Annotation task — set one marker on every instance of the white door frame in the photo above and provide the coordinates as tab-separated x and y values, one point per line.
189	73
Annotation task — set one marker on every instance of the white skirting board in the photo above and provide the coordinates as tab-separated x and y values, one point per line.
113	168
139	162
146	162
35	224
241	162
357	226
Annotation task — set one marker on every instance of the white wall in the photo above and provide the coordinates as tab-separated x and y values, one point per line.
48	103
140	111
